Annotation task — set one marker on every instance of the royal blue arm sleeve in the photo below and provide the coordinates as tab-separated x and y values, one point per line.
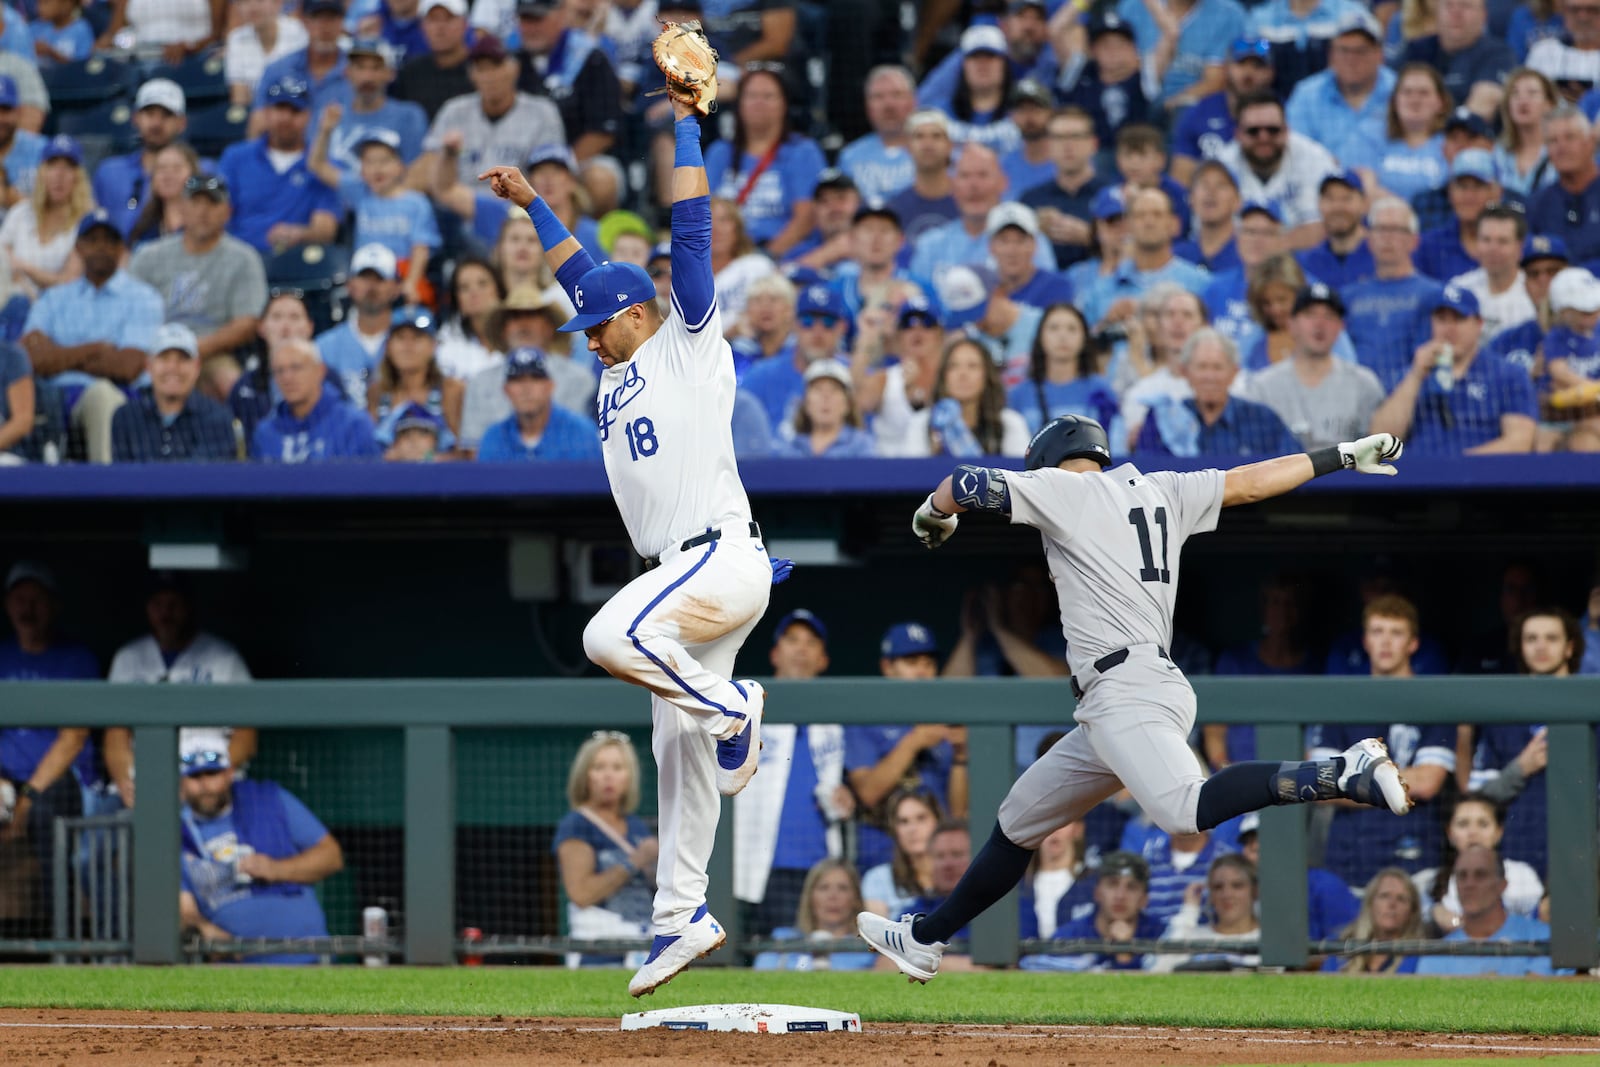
693	292
552	231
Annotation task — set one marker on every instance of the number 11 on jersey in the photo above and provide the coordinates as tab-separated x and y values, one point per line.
642	441
1149	572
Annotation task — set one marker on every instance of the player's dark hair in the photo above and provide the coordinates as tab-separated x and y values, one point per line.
1140	137
785	128
902	868
1569	625
1265	98
990	430
961	102
1505	213
468	330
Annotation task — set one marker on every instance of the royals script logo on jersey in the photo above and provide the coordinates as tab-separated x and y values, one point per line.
611	403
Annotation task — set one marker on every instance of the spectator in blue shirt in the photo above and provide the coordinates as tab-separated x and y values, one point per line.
767	169
22	150
122	183
880	161
1299	32
928	202
398	22
950	853
828	247
1150	259
1443	254
1473	62
1571	361
1015	241
366	105
537	428
1569	208
1343	258
319	65
1261	236
1214	198
1388	315
1480	880
251	854
386	212
573	67
1022	38
1406	157
830	899
827	423
983	86
1113	83
60	34
1330	905
777	381
1519	152
1030	162
167	421
979	186
353	349
1121	894
1456	400
313	422
1063	203
1212	422
1064	376
277	201
1206	128
1201	31
1141	162
1349	102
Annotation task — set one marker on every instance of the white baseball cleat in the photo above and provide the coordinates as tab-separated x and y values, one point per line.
670	955
1370	777
893	939
738	755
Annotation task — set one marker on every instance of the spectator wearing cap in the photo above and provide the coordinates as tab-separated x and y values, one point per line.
792	820
1014	243
319	65
1462	131
1498	283
881	760
497	124
1112	81
1214	199
1446	252
386	212
1387	314
251	853
364	107
409	373
827	424
1456	400
209	280
982	90
1474	63
397	22
1572	59
1206	128
1570	208
1347	103
1322	399
167	421
1406	157
532	318
1021	35
880	162
60	33
1109	212
537	428
122	184
277	200
870	276
1211	421
768	169
1152	228
569	65
1299	32
1279	165
1260	236
440	73
263	33
1063	203
1330	905
1543	259
975	300
1030	163
929	200
979	186
1342	258
1121	899
1571	364
416	435
625	237
827	246
39	233
353	349
313	422
778	381
88	336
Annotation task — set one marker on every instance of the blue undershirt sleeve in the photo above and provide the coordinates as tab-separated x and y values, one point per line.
552	231
693	291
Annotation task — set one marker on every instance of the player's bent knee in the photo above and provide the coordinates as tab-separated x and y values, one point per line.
606	646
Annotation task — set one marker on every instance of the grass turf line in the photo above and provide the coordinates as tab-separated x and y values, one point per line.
1449	1005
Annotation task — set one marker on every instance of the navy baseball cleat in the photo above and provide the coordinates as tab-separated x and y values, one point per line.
670	955
1370	777
738	755
892	938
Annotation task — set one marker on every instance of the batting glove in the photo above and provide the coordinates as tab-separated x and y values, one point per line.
932	526
1370	454
781	569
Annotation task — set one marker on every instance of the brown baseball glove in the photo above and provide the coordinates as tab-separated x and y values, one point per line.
689	62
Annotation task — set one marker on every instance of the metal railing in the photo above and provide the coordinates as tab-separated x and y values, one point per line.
1281	708
90	883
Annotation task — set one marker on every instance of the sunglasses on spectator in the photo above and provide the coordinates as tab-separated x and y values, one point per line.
808	321
205	759
284	290
205	183
766	66
611	735
1261	131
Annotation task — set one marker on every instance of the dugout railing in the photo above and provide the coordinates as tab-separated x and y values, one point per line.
1279	707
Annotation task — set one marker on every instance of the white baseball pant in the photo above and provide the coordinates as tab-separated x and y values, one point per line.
676	630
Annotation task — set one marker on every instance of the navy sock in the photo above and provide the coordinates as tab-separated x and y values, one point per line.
994	870
1258	784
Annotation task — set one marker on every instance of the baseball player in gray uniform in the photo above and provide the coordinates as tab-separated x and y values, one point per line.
1113	539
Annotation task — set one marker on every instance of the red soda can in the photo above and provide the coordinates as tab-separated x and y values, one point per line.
471	935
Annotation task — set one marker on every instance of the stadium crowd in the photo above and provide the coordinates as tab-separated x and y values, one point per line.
252	231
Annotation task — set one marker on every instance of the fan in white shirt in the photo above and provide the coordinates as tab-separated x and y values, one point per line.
1498	283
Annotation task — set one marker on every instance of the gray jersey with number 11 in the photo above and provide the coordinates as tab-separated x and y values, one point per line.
1112	541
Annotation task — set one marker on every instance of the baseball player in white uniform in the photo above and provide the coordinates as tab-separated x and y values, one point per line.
665	412
1112	539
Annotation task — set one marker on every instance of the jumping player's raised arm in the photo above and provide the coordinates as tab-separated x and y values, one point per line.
567	258
693	294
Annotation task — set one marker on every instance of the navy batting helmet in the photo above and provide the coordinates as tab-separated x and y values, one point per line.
1069	437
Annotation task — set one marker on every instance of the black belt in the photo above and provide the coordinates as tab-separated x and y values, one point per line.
1108	661
652	562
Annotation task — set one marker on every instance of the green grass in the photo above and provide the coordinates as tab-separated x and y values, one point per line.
1461	1005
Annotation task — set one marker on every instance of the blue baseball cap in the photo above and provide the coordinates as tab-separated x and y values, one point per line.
822	300
1464	119
1262	207
8	91
907	639
662	251
62	147
919	308
98	219
554	152
804	618
1458	299
1344	176
413	318
1474	163
378	135
964	293
606	290
1319	293
1251	48
372	46
1360	20
291	91
1541	246
1110	22
1109	203
526	362
416	417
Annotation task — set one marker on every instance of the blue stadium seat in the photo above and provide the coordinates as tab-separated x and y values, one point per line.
215	127
89	82
319	274
13	316
102	131
200	78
